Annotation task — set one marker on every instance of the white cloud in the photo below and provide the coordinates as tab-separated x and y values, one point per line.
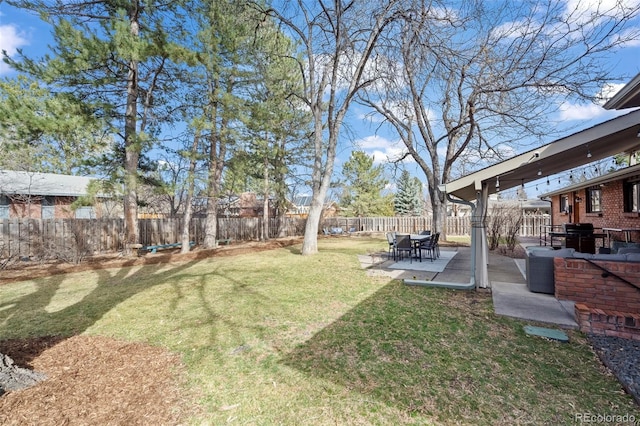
628	38
382	149
10	40
571	111
608	91
584	10
372	142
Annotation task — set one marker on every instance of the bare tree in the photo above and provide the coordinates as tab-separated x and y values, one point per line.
337	39
467	85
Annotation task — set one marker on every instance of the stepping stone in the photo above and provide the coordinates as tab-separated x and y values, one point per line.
549	333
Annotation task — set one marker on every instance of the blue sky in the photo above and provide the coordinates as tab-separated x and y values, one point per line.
21	30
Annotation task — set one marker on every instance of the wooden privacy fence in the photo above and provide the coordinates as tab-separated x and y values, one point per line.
531	224
70	238
74	238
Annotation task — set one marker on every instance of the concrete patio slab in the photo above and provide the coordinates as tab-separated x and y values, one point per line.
515	300
508	285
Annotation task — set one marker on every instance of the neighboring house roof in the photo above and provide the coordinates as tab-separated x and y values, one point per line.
30	183
302	200
627	97
609	177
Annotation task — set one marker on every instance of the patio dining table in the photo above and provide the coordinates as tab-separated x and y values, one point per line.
627	233
416	240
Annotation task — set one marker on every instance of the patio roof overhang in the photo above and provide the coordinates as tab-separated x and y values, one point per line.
627	97
612	137
627	172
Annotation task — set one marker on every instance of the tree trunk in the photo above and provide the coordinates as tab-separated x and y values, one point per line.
13	378
310	241
188	208
265	202
132	149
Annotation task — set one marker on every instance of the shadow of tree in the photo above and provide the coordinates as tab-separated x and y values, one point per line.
30	317
440	355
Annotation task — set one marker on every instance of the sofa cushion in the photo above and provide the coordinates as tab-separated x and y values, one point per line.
565	252
578	255
633	257
612	257
625	250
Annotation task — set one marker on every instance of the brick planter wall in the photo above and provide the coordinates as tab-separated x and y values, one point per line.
604	305
597	321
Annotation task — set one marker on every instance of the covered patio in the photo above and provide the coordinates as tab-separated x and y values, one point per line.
602	141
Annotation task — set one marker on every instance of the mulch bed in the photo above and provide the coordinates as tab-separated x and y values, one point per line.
95	380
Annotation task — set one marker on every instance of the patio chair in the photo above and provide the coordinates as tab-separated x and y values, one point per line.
404	245
436	244
391	239
429	246
425	232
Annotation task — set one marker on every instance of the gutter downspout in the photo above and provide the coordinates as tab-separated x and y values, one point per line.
455	286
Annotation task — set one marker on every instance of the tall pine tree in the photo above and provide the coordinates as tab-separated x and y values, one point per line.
408	199
363	186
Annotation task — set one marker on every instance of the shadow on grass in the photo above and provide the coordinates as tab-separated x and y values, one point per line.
31	318
38	319
443	355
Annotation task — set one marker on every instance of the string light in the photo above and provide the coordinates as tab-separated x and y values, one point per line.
539	172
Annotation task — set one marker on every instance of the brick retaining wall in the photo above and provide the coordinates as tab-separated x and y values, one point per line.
604	305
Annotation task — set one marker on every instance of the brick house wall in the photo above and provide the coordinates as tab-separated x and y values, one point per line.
604	305
33	209
612	215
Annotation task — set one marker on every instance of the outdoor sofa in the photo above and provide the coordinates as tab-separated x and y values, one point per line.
539	265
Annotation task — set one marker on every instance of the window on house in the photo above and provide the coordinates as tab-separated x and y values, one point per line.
4	207
48	208
564	204
85	213
631	191
594	199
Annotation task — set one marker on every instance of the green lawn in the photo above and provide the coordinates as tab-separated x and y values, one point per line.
277	338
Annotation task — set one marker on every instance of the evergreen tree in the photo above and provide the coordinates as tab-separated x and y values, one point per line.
114	56
363	186
46	132
408	199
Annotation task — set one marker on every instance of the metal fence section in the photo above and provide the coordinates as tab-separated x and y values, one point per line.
43	238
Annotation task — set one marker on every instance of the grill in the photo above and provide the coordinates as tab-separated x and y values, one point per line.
580	237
